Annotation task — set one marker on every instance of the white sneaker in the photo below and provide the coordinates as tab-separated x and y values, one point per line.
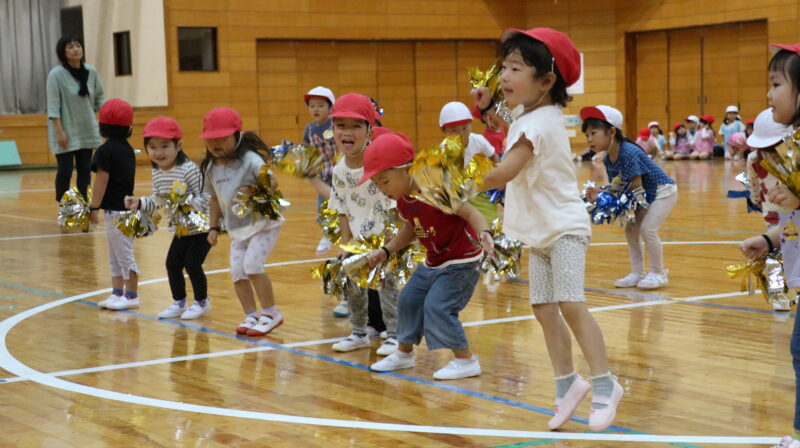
266	323
341	310
123	303
388	347
108	300
196	310
781	304
396	361
350	343
459	368
654	281
372	333
324	245
172	311
248	323
629	281
384	334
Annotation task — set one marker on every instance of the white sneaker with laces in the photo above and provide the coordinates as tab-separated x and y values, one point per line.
788	442
266	323
654	281
123	303
172	311
324	245
248	323
629	281
196	310
459	368
396	361
350	343
341	310
388	347
384	334
372	333
110	299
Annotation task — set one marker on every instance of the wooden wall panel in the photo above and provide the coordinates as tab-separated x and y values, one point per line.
684	75
651	81
396	82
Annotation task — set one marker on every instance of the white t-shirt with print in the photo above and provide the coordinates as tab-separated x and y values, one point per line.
542	202
477	145
365	207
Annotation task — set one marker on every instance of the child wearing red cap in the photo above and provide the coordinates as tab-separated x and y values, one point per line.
319	133
363	210
704	140
233	162
544	210
679	142
455	118
784	100
114	164
647	142
163	140
441	287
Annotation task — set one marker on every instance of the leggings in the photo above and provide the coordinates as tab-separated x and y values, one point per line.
83	163
646	226
188	252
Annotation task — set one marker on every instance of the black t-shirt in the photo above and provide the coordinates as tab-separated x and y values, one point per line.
116	157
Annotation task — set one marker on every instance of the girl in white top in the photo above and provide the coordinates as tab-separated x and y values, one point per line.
544	210
232	164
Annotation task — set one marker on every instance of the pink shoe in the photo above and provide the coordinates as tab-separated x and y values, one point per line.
788	442
566	406
600	419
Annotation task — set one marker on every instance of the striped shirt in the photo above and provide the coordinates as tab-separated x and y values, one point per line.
189	174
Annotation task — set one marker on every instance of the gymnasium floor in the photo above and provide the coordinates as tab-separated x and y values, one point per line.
701	363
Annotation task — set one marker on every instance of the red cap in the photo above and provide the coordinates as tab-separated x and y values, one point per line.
117	112
676	126
793	48
164	127
221	122
644	133
476	112
377	131
707	118
354	105
389	150
749	122
567	58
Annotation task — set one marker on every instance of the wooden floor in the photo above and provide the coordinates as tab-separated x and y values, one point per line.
696	358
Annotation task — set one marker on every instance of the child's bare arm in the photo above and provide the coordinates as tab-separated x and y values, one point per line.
98	191
510	166
479	224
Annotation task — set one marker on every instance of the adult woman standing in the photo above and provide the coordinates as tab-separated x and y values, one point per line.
74	95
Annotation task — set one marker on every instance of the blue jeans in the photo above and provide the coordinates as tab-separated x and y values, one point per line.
430	302
795	349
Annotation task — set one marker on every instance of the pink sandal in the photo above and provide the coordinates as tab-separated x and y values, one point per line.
600	419
566	406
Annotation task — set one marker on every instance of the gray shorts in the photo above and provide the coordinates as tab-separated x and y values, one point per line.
556	272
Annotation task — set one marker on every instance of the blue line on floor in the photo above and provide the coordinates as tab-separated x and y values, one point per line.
26	288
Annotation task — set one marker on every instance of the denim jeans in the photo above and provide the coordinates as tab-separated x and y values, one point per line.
795	349
430	302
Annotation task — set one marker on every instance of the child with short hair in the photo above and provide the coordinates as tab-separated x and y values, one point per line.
544	210
363	210
784	78
232	164
163	140
319	133
455	118
114	164
440	288
692	125
704	139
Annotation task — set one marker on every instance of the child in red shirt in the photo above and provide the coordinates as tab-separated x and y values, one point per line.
441	287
